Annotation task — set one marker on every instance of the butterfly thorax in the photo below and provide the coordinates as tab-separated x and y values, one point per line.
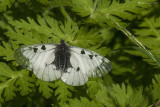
62	56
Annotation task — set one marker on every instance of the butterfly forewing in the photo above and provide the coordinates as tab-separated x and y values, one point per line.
39	58
91	63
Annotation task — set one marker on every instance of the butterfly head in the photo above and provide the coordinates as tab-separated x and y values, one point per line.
62	41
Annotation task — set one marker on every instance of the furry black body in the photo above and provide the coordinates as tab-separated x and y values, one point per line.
62	56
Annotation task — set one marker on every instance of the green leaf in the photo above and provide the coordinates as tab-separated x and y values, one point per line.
148	31
44	1
92	89
83	8
4	4
155	88
7	87
99	10
101	50
6	71
13	79
45	88
3	24
86	38
25	82
58	3
63	92
7	52
9	91
83	102
124	96
31	32
1	91
119	11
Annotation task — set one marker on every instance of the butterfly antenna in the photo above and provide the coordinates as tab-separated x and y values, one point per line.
68	35
56	36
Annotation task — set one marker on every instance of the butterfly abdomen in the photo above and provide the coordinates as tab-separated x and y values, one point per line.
62	57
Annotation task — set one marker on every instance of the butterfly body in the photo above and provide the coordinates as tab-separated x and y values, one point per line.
62	56
72	64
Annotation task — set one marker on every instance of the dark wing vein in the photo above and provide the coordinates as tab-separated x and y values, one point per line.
99	66
54	73
48	73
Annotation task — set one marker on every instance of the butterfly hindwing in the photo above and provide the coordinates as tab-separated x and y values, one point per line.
74	75
85	63
39	58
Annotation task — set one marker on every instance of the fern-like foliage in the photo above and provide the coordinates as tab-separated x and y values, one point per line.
7	52
47	29
155	88
5	3
14	81
98	10
83	102
58	3
45	88
121	96
148	31
90	24
63	92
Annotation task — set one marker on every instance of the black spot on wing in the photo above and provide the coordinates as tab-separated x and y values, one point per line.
35	49
78	69
43	47
82	51
46	65
95	55
91	56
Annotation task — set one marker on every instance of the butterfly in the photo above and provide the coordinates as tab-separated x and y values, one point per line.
72	64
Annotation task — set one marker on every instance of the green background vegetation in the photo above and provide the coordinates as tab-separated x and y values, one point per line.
127	32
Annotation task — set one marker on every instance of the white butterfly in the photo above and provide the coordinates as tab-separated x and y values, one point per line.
73	65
